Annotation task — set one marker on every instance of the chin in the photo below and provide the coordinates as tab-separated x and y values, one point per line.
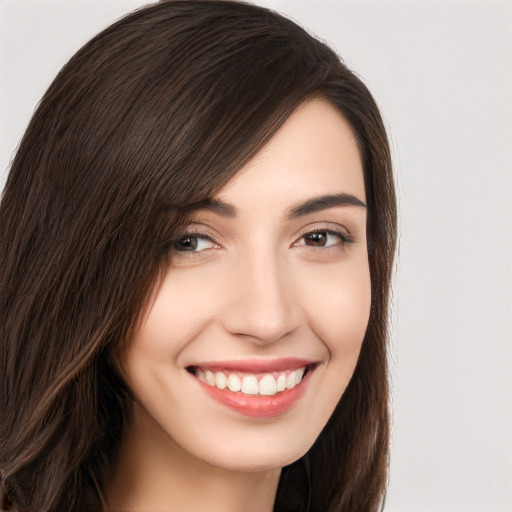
249	460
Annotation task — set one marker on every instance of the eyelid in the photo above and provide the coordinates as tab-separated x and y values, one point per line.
196	228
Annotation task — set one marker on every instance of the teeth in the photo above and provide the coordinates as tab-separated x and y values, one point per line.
281	383
220	380
210	378
250	385
266	385
234	383
290	381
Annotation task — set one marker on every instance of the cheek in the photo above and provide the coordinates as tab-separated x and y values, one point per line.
337	301
183	305
338	313
174	317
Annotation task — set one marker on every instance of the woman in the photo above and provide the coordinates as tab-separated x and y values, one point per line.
198	231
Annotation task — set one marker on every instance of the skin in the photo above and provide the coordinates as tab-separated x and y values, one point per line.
259	287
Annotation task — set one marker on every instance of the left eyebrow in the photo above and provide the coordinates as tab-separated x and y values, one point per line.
320	203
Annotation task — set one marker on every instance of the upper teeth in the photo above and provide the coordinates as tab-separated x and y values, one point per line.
267	384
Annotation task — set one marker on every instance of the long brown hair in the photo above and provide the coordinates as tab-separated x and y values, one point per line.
153	115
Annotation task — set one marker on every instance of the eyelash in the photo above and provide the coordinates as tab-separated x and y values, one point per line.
343	237
197	236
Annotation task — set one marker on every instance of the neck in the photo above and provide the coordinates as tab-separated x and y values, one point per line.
154	473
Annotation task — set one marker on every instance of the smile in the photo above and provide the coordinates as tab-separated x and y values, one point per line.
254	388
268	384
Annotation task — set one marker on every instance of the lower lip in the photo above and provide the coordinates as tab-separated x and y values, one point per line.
258	406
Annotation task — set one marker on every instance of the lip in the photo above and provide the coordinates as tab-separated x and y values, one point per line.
256	365
258	406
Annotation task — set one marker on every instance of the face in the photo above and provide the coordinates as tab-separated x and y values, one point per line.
254	332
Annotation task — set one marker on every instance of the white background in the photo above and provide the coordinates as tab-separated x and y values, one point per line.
442	75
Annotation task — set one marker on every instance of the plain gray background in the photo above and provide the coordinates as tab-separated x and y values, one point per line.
442	75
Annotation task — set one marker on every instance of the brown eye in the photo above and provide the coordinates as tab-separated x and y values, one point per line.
193	243
325	238
318	239
186	243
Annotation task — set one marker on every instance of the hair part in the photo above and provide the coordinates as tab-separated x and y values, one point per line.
153	115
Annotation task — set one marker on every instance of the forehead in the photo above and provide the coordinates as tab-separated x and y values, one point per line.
313	153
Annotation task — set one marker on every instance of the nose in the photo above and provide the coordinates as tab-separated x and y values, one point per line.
262	304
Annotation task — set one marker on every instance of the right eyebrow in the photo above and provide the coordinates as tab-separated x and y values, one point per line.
221	208
213	205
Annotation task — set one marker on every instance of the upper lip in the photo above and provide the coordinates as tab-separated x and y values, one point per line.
255	365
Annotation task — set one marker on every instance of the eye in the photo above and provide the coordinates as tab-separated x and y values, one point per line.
324	238
193	242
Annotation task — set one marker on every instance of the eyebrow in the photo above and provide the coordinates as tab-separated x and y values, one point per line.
320	203
312	205
219	207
